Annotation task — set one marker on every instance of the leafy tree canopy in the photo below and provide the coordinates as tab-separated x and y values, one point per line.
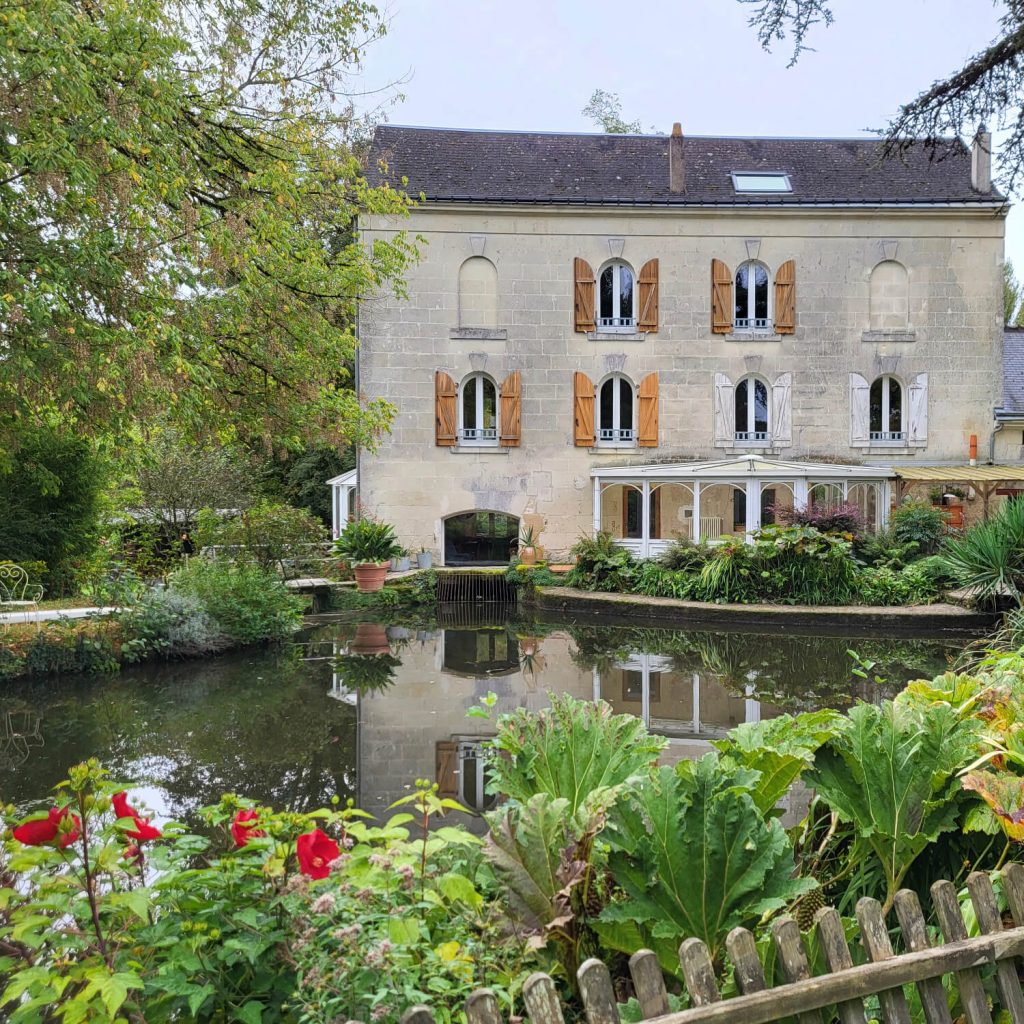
605	110
178	191
987	90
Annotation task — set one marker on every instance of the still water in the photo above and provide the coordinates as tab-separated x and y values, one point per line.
363	709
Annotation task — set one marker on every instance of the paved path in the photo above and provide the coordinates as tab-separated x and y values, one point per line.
54	614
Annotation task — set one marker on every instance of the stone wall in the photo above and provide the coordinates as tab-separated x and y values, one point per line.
953	301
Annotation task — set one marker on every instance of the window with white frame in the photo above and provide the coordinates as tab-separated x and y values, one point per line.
617	298
478	411
887	421
615	412
752	411
753	298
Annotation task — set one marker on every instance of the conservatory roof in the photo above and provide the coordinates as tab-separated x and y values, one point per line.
970	474
743	466
344	480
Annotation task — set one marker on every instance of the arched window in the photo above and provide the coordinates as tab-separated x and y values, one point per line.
887	417
478	411
615	415
890	298
617	306
753	306
478	293
752	410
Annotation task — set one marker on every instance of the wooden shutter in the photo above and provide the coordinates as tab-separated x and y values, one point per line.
725	411
648	320
583	411
782	410
511	410
721	298
917	412
445	410
785	298
860	411
446	768
583	305
647	436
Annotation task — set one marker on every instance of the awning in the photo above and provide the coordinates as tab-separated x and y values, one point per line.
743	466
969	474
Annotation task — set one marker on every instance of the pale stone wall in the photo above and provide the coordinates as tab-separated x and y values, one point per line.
953	311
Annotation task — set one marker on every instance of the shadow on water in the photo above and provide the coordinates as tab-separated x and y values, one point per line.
362	709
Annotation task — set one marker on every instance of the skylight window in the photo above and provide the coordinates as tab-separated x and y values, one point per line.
752	182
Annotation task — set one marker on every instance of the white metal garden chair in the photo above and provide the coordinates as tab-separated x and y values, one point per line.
17	594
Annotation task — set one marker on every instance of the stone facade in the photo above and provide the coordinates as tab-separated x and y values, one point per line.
851	318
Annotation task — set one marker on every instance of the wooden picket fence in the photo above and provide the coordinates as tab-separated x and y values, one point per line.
804	996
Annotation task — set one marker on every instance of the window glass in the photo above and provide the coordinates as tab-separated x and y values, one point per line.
895	407
760	292
625	292
489	404
607	402
741	406
748	182
607	293
469	404
875	425
760	406
634	522
742	294
625	404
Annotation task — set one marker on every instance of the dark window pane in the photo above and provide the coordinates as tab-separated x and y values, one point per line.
742	299
625	405
606	293
760	293
634	526
875	426
625	292
489	404
760	406
607	400
741	405
895	406
469	404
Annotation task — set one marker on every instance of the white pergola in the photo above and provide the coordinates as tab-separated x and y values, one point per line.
343	489
749	474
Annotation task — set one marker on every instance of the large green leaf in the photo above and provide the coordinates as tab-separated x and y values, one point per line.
890	771
694	858
570	751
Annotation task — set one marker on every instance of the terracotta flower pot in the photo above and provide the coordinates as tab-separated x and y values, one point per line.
528	555
370	638
370	576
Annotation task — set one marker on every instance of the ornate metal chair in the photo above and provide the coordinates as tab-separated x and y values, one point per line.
17	593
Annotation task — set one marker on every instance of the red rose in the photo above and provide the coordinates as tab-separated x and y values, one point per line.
46	830
142	830
315	851
243	827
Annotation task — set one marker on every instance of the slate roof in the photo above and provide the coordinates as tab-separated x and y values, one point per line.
535	167
1013	370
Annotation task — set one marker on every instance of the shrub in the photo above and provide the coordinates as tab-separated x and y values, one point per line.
841	518
69	648
171	624
654	580
248	604
601	564
365	540
918	522
683	555
989	558
802	565
883	549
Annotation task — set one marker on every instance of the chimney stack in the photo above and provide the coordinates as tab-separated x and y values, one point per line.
981	161
676	164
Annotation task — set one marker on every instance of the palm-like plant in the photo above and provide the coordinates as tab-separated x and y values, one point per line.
364	540
988	559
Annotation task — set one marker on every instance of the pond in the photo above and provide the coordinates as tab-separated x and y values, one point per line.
363	709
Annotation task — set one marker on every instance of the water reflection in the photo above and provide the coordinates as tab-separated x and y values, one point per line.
363	709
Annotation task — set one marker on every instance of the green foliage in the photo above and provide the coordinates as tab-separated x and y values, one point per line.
890	771
365	540
883	550
298	478
693	857
248	604
283	538
682	555
177	212
918	522
605	110
61	649
53	503
989	558
573	750
166	622
601	564
886	587
533	576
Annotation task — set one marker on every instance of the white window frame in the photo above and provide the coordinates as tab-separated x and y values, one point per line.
477	436
618	321
614	435
888	436
781	177
754	325
748	434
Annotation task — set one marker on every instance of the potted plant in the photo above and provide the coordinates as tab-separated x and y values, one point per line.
400	561
424	559
367	546
370	638
527	546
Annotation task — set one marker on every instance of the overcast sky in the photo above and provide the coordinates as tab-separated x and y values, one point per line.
532	65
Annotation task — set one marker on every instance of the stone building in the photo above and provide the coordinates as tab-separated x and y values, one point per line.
746	322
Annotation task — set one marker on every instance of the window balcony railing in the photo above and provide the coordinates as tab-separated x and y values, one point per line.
888	436
612	323
752	323
749	436
479	434
624	434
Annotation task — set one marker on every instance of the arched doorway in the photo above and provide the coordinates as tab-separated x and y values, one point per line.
480	538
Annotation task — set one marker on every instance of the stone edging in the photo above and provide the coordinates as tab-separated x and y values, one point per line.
666	611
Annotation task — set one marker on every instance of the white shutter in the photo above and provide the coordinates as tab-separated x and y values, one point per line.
782	410
860	411
917	416
725	412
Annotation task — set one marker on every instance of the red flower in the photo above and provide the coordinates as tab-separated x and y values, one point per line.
243	827
315	851
142	831
46	830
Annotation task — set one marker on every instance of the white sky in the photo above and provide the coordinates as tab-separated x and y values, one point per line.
532	65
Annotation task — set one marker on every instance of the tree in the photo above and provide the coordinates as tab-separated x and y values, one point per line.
987	90
178	193
605	110
1013	311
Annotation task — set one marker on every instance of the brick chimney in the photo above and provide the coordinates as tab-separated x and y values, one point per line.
676	163
981	161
